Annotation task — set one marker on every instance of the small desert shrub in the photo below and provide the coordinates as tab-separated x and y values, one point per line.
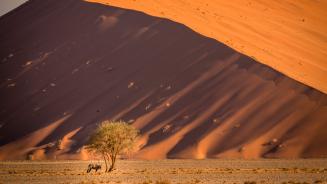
147	182
250	182
58	145
30	157
163	182
12	172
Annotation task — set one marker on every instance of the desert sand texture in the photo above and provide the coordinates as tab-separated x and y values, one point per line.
289	36
308	171
68	65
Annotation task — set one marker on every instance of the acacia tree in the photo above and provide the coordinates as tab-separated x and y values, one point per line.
112	138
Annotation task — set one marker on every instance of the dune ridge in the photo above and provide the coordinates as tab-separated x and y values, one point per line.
285	35
79	63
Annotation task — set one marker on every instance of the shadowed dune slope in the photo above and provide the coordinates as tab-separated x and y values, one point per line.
287	35
67	65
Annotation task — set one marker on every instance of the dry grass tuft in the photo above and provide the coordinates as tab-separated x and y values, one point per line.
163	182
250	182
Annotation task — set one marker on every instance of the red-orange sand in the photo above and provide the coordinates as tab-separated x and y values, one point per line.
289	36
67	65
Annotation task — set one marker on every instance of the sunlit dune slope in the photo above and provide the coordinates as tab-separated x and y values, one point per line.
67	65
289	36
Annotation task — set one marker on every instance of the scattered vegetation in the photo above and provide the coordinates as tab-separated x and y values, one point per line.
295	182
165	172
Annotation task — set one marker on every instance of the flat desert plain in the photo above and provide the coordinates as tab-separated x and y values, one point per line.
169	171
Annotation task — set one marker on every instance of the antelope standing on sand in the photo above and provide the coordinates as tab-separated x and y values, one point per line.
96	167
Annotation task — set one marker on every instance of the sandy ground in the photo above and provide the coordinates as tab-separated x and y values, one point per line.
169	171
67	65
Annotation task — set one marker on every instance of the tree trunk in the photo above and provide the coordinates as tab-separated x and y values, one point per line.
113	161
108	161
105	161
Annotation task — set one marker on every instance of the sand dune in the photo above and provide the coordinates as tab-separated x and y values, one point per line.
67	65
285	35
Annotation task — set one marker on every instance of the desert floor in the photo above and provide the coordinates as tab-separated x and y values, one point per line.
168	171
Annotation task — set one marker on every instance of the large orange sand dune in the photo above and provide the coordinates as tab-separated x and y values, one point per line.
67	65
289	36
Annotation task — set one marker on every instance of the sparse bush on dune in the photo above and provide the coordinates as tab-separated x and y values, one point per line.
59	144
30	156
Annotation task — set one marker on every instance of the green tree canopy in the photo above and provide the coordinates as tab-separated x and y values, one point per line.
112	138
